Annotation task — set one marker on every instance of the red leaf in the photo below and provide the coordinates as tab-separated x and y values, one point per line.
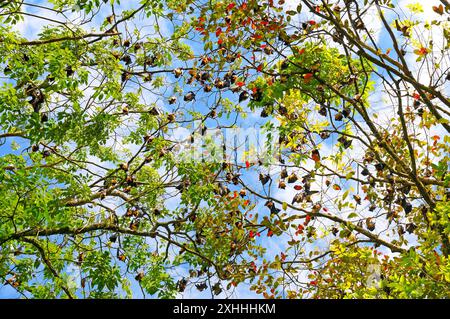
240	84
259	68
270	233
439	10
247	163
312	22
218	32
231	6
298	187
416	96
307	219
307	76
220	41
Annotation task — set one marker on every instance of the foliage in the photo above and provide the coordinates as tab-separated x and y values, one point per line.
102	195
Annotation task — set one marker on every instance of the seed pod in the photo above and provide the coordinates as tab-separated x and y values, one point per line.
189	96
274	210
171	117
368	157
147	77
129	212
282	184
139	276
407	206
347	143
134	225
243	96
129	180
292	178
220	84
110	19
264	178
257	95
264	113
365	172
282	110
323	111
269	204
154	111
338	116
127	59
181	284
268	50
298	198
69	71
346	112
370	224
172	100
137	47
80	258
410	228
284	65
177	72
283	173
334	231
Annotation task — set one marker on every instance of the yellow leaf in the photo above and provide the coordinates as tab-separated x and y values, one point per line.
415	7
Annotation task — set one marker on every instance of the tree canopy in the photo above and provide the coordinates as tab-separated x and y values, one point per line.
220	148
